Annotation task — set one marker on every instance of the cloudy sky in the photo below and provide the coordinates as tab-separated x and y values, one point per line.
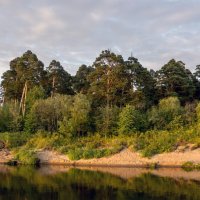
76	31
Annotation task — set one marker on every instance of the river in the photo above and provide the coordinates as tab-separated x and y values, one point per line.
103	183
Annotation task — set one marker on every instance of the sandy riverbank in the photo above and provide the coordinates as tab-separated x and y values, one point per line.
5	156
126	158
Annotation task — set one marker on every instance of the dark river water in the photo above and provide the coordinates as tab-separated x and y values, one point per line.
59	182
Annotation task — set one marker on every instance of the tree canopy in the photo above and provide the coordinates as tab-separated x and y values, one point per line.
112	96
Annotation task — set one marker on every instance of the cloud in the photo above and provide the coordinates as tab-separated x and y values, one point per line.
75	32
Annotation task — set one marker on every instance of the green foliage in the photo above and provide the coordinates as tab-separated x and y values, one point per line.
107	121
78	154
46	114
5	117
34	94
10	119
27	68
59	80
80	82
142	80
166	112
131	120
154	142
75	122
174	79
27	156
157	141
14	139
109	80
117	97
189	113
42	140
198	113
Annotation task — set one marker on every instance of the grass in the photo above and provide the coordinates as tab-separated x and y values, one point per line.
14	139
26	156
77	154
155	142
81	148
149	143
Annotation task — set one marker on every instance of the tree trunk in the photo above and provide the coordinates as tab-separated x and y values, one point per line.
22	106
53	86
24	103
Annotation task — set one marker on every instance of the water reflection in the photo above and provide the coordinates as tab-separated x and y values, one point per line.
59	182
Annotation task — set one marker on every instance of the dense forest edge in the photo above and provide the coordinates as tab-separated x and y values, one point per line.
104	108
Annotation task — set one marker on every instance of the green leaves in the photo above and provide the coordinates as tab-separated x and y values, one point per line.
108	81
173	79
166	112
131	120
59	80
25	68
77	122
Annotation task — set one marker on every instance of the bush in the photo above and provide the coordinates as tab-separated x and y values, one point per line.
166	112
10	118
159	141
198	114
78	154
25	156
107	121
131	120
14	139
76	121
154	142
45	114
75	154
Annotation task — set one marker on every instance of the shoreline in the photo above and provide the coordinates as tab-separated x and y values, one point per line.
77	165
124	159
111	166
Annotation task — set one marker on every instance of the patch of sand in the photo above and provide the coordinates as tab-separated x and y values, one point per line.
124	158
53	157
5	156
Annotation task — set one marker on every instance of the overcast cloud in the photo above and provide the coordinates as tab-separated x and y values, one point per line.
75	32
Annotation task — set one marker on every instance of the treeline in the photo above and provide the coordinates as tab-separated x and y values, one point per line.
113	96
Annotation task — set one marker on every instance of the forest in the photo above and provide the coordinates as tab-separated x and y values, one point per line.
103	108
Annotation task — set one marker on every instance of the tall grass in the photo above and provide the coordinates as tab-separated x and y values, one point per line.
149	143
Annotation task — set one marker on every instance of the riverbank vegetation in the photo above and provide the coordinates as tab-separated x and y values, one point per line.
111	105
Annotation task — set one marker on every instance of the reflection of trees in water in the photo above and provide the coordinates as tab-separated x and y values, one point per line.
30	183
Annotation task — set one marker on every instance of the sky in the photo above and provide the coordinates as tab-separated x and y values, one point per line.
74	32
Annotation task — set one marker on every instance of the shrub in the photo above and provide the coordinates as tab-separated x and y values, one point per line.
131	120
46	114
198	114
75	124
25	156
166	112
75	154
107	121
14	139
10	118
